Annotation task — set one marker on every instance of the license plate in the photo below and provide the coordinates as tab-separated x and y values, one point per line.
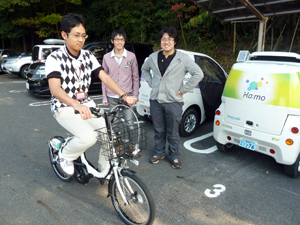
27	85
248	144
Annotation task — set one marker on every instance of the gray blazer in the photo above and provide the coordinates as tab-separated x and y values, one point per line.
165	88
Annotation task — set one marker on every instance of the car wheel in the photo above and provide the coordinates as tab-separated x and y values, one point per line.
225	148
294	169
24	71
189	122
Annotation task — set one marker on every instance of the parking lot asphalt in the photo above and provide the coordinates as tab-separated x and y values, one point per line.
239	187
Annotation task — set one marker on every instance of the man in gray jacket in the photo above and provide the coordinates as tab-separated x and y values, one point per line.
164	71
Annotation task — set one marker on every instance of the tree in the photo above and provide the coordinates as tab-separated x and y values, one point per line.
39	17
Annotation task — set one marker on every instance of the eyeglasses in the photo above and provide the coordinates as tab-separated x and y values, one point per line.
119	39
77	36
167	40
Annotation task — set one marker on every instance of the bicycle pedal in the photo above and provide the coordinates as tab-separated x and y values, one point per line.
102	180
134	161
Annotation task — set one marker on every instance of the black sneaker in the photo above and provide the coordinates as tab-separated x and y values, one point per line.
176	164
155	159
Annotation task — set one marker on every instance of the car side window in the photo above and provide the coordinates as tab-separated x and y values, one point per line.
212	72
5	52
98	51
12	53
142	52
45	53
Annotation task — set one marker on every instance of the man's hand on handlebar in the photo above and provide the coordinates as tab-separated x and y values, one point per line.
84	111
129	100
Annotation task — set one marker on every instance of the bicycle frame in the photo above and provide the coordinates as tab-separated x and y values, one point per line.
114	165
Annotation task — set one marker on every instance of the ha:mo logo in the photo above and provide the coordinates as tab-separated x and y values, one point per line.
254	97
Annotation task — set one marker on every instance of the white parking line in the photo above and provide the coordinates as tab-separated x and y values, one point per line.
188	146
40	103
13	82
18	91
49	103
18	82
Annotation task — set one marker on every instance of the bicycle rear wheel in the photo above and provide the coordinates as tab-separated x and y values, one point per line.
140	208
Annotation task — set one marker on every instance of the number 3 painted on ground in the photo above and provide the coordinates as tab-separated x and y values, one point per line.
219	188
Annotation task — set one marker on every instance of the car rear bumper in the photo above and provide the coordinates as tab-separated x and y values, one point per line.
38	87
227	133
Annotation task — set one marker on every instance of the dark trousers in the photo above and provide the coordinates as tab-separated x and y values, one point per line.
128	116
166	118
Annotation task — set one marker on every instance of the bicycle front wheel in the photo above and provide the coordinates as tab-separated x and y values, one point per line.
140	208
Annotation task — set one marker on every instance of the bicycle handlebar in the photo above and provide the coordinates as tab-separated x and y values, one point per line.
95	111
100	112
123	102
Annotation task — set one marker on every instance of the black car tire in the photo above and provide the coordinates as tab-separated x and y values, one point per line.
294	169
24	71
189	122
225	148
147	119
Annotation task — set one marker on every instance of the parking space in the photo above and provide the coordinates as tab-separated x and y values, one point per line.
240	187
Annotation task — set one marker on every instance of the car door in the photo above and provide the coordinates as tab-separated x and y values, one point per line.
5	54
211	85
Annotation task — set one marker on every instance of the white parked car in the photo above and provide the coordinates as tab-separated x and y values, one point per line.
17	65
4	54
260	109
199	103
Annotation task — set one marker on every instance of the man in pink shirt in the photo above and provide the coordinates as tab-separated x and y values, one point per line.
121	65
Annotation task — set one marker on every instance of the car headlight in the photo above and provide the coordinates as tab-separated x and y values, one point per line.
40	72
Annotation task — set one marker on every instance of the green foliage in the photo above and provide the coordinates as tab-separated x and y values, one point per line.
10	5
142	20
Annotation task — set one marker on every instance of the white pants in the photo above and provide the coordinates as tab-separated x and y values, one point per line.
83	131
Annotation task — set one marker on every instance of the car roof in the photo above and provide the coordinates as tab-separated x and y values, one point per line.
283	57
54	41
269	53
193	53
50	46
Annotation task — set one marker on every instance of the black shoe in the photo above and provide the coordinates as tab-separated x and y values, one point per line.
176	164
155	159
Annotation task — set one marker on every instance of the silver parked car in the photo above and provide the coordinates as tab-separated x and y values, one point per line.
17	65
5	53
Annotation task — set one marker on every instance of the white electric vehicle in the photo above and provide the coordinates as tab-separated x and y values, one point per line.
260	108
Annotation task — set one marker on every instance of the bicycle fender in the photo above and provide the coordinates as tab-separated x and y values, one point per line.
123	172
127	171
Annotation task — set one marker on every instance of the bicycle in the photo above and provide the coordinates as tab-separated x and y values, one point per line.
129	195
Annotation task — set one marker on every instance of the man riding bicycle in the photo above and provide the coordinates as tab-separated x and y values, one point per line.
69	71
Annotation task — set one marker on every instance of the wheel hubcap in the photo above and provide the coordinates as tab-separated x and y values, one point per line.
190	123
26	71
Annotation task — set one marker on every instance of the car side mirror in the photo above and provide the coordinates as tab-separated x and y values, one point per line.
4	56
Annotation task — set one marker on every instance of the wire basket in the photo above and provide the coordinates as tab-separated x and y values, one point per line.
121	140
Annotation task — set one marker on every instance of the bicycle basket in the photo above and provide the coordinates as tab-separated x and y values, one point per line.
121	140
